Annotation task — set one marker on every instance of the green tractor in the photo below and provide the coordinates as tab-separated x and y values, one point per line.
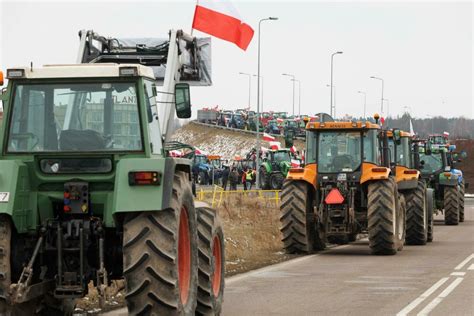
274	169
444	180
88	191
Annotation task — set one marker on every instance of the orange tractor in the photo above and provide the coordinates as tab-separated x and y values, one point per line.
346	187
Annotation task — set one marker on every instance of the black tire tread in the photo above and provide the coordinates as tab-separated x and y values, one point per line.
417	221
451	205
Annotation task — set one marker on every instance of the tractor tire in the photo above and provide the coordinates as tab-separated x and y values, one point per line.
462	191
417	215
160	256
276	181
298	225
451	205
211	260
264	179
430	204
385	216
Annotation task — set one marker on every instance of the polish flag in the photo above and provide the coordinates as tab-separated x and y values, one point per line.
445	134
268	138
275	145
280	120
293	149
295	163
221	19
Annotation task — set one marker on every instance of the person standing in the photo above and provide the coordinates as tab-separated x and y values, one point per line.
234	178
225	176
248	179
244	179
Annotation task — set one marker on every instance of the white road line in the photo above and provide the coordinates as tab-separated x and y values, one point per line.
471	267
462	264
459	273
428	308
422	297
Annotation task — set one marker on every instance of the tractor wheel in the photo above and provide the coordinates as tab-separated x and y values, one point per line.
430	207
451	205
385	218
264	179
461	201
276	181
300	234
211	263
417	215
160	256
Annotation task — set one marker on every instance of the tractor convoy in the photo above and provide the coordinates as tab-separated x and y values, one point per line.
89	190
93	190
359	178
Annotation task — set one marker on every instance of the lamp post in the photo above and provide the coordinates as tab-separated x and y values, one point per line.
334	100
365	101
250	83
293	79
258	99
261	78
388	106
299	96
332	61
381	99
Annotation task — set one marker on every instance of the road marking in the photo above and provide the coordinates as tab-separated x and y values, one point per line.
462	264
428	308
422	297
459	273
471	267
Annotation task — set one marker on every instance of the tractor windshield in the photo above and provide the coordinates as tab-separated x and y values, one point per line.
339	152
84	117
431	163
403	152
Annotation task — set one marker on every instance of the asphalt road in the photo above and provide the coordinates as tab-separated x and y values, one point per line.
436	279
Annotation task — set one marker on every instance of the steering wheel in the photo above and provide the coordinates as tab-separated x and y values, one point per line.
342	161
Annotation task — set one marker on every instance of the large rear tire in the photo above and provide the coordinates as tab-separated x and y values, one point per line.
417	215
211	263
264	179
276	181
451	205
462	191
386	233
298	225
430	204
160	256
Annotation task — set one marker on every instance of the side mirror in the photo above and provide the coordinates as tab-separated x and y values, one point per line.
182	100
397	136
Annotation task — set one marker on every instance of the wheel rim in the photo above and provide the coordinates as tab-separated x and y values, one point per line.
184	256
217	254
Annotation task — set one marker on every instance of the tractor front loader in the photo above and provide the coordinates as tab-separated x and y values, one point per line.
88	191
345	188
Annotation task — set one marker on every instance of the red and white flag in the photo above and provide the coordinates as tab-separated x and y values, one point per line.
268	137
295	163
275	145
293	149
221	19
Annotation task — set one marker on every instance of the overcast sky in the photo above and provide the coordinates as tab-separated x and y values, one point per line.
423	50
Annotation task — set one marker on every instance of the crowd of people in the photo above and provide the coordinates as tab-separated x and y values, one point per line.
231	176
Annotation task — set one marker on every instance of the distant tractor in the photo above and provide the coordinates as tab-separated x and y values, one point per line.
445	182
418	197
345	188
274	169
202	168
272	127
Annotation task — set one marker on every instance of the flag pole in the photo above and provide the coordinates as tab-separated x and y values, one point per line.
197	3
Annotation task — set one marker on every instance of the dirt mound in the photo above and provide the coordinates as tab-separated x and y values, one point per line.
226	143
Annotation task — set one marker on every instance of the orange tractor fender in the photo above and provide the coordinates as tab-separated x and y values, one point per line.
371	171
307	174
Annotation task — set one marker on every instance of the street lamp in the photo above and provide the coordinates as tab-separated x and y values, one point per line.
261	78
381	99
258	99
388	106
332	60
250	83
365	101
334	102
299	96
294	78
